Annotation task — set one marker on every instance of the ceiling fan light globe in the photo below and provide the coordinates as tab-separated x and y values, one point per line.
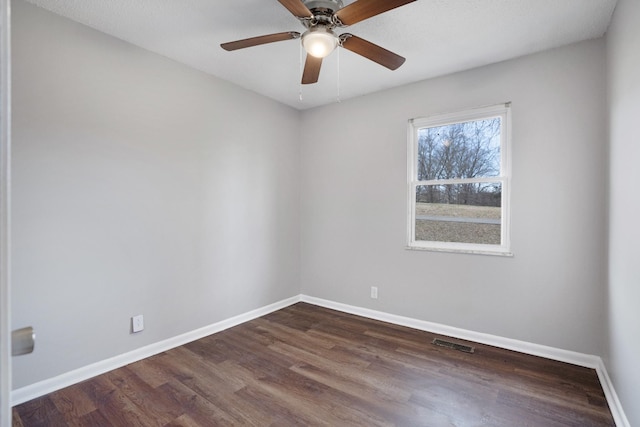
319	43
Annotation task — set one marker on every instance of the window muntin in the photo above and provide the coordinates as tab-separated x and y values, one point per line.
458	181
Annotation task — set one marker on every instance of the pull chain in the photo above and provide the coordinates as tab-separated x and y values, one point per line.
301	71
338	79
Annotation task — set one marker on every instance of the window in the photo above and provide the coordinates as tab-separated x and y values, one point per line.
458	166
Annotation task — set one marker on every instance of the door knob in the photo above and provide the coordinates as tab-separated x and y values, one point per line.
22	341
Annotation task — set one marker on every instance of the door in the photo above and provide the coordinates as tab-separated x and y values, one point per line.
5	276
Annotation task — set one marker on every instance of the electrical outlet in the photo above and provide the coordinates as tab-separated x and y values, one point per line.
374	292
137	323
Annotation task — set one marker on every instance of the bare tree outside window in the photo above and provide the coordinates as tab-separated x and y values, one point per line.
458	185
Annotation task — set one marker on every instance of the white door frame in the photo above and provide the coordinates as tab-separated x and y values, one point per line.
5	197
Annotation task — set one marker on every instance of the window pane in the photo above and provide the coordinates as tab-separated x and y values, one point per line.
461	213
459	150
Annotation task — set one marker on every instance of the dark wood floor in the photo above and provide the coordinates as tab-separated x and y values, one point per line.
306	365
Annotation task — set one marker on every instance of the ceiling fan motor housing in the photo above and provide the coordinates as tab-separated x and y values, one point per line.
323	12
332	5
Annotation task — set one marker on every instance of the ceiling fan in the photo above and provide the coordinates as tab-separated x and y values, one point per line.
321	18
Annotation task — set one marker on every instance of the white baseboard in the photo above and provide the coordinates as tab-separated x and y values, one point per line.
50	385
612	397
41	388
575	358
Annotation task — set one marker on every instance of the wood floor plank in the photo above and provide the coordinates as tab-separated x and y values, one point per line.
38	412
308	365
278	332
92	419
159	407
72	404
119	408
196	408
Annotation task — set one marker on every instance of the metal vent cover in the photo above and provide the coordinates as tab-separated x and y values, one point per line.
452	345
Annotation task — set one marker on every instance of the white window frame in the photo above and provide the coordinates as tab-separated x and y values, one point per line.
504	112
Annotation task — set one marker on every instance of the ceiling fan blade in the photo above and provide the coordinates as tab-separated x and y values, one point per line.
255	41
297	8
365	9
311	70
371	51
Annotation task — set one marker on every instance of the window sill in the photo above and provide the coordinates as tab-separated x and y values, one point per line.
500	253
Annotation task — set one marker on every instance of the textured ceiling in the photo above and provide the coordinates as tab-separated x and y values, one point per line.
436	36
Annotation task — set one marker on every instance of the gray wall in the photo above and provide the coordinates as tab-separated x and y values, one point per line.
623	40
140	186
354	204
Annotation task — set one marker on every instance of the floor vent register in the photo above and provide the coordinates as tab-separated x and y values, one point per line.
453	345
